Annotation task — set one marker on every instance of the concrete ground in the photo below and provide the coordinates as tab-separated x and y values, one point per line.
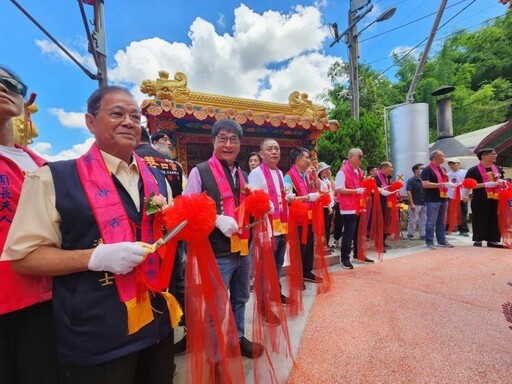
297	326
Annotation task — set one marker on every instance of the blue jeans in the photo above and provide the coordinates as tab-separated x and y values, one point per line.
235	271
436	222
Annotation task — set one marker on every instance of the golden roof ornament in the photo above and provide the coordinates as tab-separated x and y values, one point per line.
302	106
163	88
18	125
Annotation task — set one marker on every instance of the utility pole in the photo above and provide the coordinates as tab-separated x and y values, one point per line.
352	36
99	41
353	56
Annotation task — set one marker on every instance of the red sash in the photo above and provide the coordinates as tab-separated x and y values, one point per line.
114	226
280	215
492	193
441	178
239	242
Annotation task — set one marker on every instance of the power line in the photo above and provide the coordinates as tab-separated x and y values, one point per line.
444	37
409	23
417	45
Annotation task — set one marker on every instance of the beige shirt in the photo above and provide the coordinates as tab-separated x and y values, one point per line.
37	221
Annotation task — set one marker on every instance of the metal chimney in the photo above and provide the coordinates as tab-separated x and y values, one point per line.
444	112
445	140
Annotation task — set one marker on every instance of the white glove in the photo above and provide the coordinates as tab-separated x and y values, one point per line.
360	191
290	197
501	181
227	225
313	196
450	185
119	258
385	192
491	184
271	210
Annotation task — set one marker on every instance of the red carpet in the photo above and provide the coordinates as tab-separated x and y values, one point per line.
433	317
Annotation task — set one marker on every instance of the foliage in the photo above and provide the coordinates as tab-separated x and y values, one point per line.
478	63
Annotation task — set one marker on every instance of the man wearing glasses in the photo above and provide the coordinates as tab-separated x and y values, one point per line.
484	204
79	220
223	180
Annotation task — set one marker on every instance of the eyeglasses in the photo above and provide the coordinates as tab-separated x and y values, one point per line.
360	157
14	85
224	140
118	114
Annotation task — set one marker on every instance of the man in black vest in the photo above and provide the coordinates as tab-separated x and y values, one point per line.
221	178
79	220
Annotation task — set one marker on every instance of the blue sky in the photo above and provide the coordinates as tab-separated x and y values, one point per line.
257	49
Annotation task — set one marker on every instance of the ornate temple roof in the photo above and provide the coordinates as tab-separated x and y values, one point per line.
174	105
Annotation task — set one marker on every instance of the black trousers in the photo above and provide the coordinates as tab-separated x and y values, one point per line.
328	222
307	251
349	237
27	353
153	365
338	222
485	220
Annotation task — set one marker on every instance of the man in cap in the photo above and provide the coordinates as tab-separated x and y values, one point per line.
457	175
484	205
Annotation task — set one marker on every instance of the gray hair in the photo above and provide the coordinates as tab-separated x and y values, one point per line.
354	151
94	101
434	153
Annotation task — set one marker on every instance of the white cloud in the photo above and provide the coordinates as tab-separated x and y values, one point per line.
53	50
321	3
43	149
404	49
69	119
265	56
240	64
305	73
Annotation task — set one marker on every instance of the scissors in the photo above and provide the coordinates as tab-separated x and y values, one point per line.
168	236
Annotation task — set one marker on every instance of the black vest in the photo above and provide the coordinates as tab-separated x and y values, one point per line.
220	244
90	320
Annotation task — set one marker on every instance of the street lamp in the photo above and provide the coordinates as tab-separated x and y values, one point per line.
352	35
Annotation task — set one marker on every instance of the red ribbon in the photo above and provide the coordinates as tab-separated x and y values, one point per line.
212	334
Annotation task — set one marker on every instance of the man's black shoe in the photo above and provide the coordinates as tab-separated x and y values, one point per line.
367	260
312	278
477	244
347	264
286	301
250	349
181	346
493	244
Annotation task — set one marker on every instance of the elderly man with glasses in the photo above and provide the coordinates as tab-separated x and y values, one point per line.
484	204
79	220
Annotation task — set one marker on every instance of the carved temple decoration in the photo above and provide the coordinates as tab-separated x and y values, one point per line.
188	115
18	125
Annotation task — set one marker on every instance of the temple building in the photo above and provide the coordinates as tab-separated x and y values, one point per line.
187	116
